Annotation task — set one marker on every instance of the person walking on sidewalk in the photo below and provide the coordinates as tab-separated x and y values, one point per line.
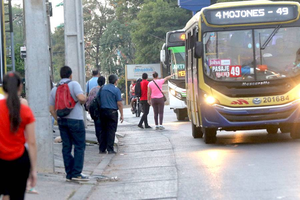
144	102
92	95
71	127
156	99
17	126
92	82
111	102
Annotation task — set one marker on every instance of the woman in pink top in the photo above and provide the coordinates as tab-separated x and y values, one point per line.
155	98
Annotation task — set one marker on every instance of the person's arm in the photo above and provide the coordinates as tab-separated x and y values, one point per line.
149	95
81	98
87	88
32	151
53	112
168	77
120	106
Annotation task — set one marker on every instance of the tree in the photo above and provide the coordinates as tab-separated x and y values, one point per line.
58	52
125	10
153	21
116	47
96	16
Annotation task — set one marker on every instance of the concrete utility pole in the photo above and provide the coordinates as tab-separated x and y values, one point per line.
74	41
37	79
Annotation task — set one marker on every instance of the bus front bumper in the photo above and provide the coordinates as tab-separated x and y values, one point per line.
229	118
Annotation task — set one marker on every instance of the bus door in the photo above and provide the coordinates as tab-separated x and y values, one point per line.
192	78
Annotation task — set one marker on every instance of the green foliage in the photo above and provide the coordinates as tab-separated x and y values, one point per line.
58	52
149	30
96	16
116	47
121	83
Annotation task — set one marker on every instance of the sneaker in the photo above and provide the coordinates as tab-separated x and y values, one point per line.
102	152
156	127
81	177
68	179
148	126
112	152
141	126
161	127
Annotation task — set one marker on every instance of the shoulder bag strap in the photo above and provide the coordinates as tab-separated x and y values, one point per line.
99	99
159	88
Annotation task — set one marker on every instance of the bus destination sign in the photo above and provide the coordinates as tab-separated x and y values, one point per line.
251	14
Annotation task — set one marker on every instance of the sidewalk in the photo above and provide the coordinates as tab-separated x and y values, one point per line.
143	168
54	186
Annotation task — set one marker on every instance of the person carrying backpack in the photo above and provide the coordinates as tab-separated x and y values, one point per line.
95	112
70	122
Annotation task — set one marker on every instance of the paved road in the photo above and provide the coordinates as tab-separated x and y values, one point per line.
170	164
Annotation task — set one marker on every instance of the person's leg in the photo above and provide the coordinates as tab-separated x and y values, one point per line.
66	147
98	129
19	171
155	110
111	130
77	131
161	105
142	120
103	135
146	112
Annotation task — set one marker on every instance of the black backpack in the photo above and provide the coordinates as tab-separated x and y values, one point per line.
137	89
94	108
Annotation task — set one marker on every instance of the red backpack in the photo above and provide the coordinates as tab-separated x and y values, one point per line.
64	102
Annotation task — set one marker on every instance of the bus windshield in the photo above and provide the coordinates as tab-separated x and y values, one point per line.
177	61
252	55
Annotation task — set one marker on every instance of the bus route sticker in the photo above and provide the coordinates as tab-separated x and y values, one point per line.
218	62
221	71
235	70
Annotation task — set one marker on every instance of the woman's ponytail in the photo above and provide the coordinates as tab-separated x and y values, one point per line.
11	84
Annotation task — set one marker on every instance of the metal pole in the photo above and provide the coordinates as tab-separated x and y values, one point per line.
13	51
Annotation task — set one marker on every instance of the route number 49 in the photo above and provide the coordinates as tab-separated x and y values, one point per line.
282	11
235	71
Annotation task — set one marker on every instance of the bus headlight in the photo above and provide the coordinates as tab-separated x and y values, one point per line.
210	99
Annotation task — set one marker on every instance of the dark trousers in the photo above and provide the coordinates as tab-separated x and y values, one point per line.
72	132
144	118
98	130
109	123
14	176
158	109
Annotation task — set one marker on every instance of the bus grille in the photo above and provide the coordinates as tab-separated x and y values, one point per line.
257	116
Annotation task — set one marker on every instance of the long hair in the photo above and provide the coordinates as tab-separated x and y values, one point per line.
11	84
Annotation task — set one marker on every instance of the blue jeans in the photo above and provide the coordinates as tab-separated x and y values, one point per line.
72	132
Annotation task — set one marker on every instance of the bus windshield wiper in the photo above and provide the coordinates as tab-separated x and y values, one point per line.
270	37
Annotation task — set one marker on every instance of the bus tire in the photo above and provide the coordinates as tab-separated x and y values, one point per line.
210	136
285	129
272	130
196	131
181	114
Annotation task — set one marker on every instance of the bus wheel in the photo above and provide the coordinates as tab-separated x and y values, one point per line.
295	134
285	129
181	114
196	131
210	136
272	130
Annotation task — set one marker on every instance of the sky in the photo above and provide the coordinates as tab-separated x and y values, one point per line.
58	13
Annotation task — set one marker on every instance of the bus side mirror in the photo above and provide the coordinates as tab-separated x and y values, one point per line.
163	57
198	49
